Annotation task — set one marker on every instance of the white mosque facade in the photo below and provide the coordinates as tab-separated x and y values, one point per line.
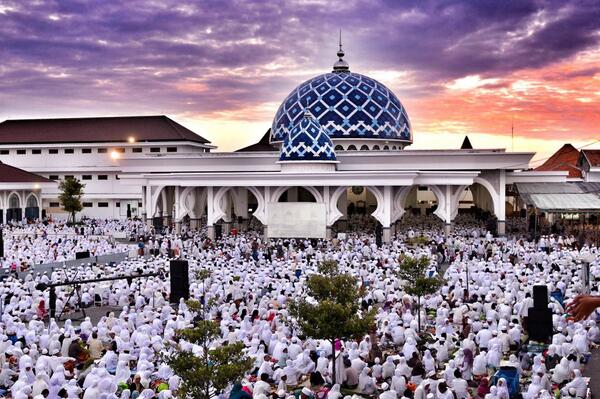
338	142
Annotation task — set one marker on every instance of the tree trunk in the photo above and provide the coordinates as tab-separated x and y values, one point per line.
333	377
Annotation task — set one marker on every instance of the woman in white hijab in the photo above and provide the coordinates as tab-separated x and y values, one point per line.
147	394
388	368
126	394
366	383
334	393
503	389
428	362
561	371
578	383
398	382
534	388
480	364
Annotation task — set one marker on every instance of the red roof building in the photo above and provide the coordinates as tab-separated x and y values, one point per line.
565	159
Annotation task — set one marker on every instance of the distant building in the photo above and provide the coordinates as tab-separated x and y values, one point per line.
337	141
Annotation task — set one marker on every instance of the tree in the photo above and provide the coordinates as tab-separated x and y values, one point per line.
217	366
413	272
71	191
331	308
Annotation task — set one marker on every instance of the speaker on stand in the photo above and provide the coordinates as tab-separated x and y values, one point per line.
180	280
539	319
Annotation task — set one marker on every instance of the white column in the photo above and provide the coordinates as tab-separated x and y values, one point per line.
149	211
501	204
210	210
387	214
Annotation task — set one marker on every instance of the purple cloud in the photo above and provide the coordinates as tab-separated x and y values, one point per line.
140	55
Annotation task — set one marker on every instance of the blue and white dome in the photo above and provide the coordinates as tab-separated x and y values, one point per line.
347	105
307	141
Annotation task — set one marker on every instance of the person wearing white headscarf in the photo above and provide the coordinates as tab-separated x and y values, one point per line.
502	389
334	392
366	383
561	371
534	388
388	368
578	383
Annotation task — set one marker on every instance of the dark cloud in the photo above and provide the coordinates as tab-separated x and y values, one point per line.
141	54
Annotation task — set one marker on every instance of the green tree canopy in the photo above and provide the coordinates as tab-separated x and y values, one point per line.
215	368
334	309
71	191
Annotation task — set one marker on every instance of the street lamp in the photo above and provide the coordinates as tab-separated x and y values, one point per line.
131	139
114	154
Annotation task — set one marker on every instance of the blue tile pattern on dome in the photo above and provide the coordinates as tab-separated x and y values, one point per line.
307	141
347	105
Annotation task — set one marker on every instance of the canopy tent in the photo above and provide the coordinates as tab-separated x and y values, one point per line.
561	197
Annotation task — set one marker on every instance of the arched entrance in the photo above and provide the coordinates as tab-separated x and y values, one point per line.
32	209
297	194
357	205
14	208
420	208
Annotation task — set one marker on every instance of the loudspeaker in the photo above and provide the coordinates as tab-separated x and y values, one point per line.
540	297
82	255
539	324
180	280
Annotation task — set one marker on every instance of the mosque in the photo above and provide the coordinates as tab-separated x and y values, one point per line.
337	147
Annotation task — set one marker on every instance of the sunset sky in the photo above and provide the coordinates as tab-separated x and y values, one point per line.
222	67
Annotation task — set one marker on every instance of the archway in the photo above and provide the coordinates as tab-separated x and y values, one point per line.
356	207
14	208
32	210
297	194
418	208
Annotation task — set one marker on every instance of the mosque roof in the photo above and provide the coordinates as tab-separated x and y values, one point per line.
565	159
10	174
348	105
262	145
307	141
98	129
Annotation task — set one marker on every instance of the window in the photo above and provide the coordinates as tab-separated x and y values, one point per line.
386	147
120	150
69	151
36	151
54	204
118	204
53	151
351	147
86	177
339	148
171	149
139	204
154	149
4	152
88	204
102	150
21	152
86	150
102	177
364	147
423	188
376	148
136	149
102	204
53	177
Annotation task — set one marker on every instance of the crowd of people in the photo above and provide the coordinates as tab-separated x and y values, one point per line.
473	327
32	243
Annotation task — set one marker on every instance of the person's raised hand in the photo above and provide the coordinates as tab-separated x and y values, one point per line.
583	306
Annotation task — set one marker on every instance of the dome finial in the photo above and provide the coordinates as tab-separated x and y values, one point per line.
307	113
341	65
